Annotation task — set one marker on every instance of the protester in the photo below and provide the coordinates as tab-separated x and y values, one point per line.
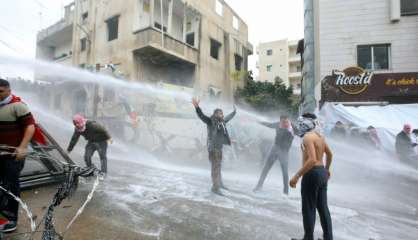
280	150
17	127
97	140
338	131
315	177
404	146
415	140
372	138
217	137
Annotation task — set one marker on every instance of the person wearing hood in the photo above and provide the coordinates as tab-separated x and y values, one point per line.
97	138
315	175
280	150
217	137
17	128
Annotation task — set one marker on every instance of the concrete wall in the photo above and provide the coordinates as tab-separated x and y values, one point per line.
278	60
208	71
346	24
284	61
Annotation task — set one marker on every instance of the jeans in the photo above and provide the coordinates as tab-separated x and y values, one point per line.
314	197
215	157
9	179
283	156
101	148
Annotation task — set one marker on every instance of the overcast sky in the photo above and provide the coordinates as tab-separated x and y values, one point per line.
268	20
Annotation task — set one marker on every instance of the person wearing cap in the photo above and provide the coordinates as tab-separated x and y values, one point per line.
97	138
218	136
404	146
315	175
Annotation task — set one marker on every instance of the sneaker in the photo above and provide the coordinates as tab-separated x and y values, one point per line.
217	191
3	223
257	189
8	227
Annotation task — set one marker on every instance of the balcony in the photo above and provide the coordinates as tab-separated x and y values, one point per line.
148	44
295	75
294	59
64	25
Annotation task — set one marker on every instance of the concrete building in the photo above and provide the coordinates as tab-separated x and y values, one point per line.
279	60
378	35
199	44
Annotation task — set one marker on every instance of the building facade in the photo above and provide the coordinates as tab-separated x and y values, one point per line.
198	44
280	60
377	36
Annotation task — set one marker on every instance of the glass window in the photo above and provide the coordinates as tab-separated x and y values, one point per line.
214	48
83	44
219	7
269	68
269	52
235	22
374	57
112	28
409	7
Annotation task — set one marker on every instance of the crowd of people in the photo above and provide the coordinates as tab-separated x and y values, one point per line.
406	142
18	128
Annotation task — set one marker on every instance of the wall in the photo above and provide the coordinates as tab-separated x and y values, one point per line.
279	61
346	24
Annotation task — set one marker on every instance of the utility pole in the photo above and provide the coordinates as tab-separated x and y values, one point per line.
309	102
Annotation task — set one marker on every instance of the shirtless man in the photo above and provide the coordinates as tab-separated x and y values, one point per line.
315	178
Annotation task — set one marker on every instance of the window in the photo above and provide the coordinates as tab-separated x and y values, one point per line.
269	67
219	8
158	26
238	48
409	7
84	17
83	44
146	6
373	57
82	66
214	48
112	28
235	22
238	62
269	52
190	39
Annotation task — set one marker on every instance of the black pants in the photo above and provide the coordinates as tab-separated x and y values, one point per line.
283	157
101	148
9	179
314	197
215	157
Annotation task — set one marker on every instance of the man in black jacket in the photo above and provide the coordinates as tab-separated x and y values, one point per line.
97	140
217	137
280	150
405	147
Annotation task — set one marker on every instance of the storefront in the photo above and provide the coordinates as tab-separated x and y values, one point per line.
355	86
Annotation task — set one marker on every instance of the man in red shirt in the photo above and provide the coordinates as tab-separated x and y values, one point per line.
17	127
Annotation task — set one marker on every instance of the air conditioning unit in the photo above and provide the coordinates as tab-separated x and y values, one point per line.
395	11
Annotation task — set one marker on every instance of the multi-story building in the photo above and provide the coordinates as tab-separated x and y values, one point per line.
200	44
378	36
280	60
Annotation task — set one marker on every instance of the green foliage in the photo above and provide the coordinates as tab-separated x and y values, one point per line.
265	96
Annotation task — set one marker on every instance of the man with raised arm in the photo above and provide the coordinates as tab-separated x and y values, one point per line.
314	177
217	137
279	151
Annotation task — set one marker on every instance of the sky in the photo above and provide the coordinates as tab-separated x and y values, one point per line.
268	20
